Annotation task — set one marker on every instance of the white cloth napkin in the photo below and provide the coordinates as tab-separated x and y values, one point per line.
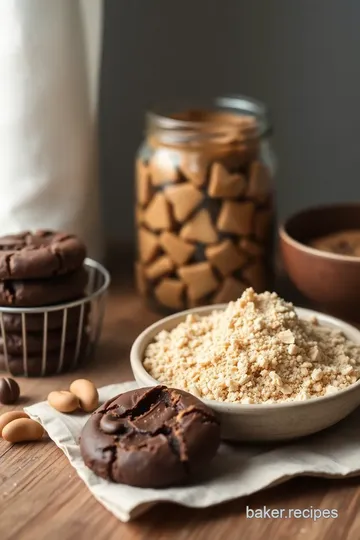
237	470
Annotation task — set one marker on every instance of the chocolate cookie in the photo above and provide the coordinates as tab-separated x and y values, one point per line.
35	322
151	437
34	363
42	292
40	254
35	341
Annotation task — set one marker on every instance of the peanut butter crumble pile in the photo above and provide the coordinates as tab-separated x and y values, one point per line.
256	351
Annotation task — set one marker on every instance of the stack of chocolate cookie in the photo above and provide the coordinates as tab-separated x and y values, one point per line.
39	269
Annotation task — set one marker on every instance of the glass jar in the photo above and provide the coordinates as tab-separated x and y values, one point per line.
204	203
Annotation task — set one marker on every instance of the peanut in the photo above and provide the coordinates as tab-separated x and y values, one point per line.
21	430
87	394
63	401
8	417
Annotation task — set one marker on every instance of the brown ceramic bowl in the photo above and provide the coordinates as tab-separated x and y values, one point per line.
329	280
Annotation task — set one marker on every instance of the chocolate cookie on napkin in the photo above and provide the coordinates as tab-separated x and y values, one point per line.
150	437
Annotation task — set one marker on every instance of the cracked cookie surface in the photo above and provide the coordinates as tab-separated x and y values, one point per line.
39	254
150	437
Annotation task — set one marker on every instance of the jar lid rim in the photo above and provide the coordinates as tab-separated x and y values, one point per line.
163	115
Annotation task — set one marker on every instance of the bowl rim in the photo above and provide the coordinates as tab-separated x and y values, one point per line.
286	237
137	364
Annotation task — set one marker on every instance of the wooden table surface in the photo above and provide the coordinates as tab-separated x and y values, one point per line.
41	496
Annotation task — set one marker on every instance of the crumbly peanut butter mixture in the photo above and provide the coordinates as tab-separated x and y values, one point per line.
256	351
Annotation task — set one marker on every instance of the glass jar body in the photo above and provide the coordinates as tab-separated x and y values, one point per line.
204	210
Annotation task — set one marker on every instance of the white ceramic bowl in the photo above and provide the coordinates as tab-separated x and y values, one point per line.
273	422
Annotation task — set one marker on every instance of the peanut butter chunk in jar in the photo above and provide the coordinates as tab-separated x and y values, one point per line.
205	189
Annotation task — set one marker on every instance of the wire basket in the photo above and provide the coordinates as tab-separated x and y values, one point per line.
58	338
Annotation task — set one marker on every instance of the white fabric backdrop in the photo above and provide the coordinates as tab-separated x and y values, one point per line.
49	59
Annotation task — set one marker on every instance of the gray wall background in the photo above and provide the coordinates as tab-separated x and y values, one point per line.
301	57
